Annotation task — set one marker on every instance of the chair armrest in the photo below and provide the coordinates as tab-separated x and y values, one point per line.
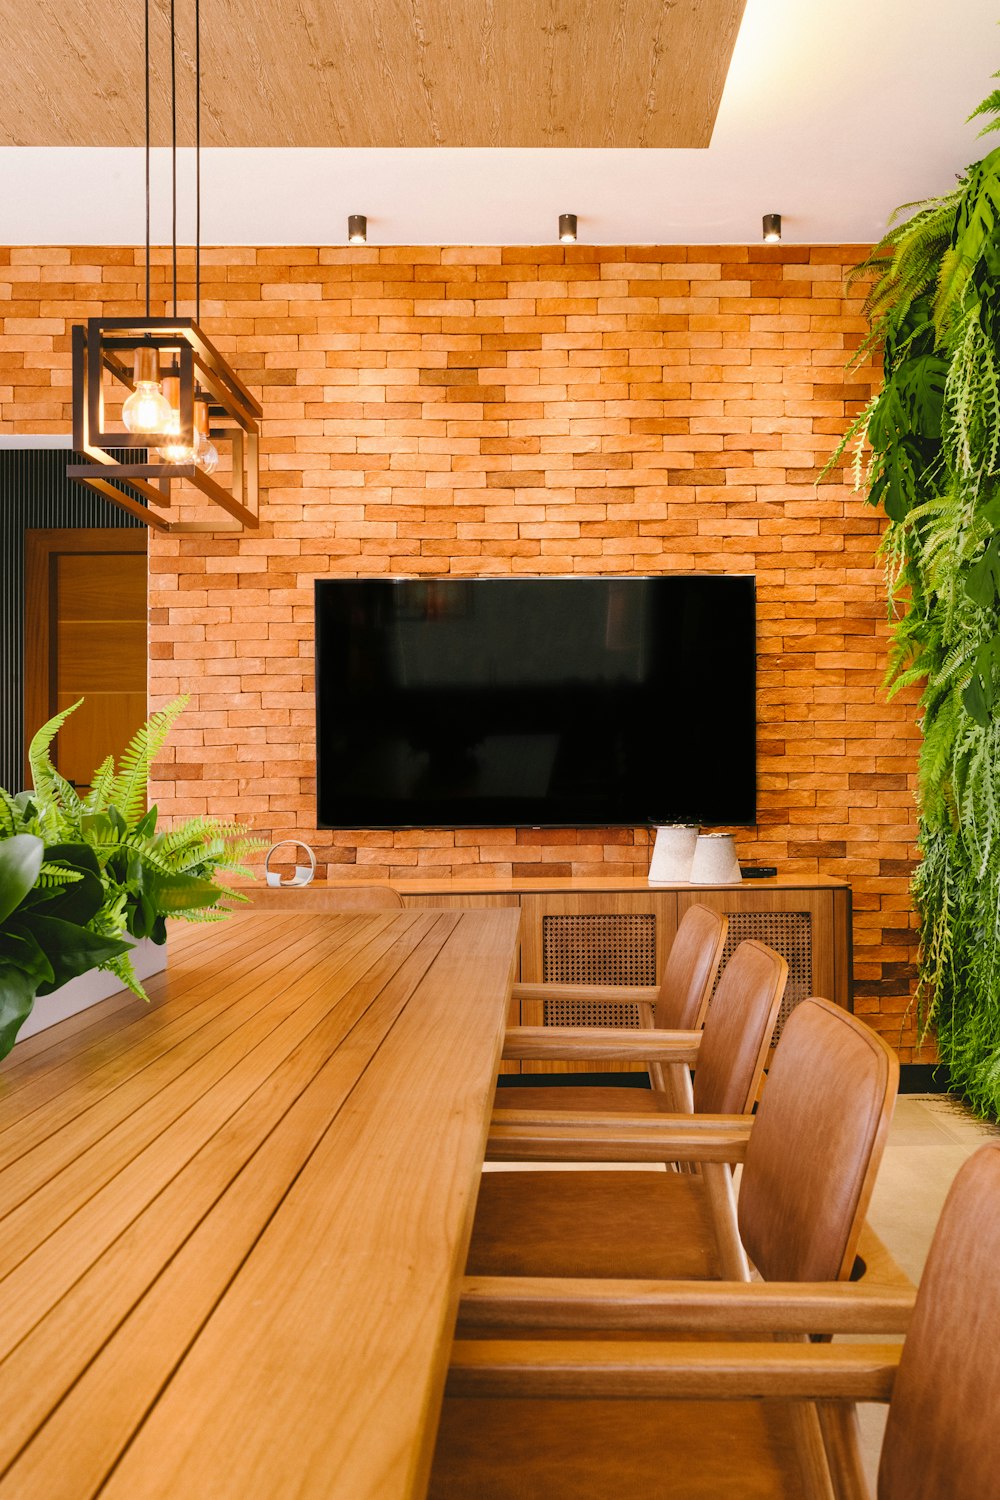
613	994
612	1043
598	1304
682	1371
658	1139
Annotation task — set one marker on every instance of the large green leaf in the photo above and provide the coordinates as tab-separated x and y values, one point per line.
71	950
82	900
22	950
17	995
170	894
982	581
20	861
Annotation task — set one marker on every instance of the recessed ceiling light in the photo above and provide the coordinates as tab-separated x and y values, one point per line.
567	228
772	228
357	229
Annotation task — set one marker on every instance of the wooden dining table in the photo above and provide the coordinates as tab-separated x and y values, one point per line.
234	1221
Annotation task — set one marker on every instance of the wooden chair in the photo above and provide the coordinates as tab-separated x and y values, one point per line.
679	1004
322	898
579	1409
942	1384
522	1217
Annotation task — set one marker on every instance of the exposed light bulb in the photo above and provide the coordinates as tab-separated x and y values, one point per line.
147	409
206	454
176	452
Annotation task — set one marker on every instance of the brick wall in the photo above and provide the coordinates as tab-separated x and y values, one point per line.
533	411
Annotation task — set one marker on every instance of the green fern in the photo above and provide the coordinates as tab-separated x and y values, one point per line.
99	796
146	874
129	787
51	876
929	455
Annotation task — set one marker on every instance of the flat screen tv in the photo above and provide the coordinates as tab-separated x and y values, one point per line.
544	702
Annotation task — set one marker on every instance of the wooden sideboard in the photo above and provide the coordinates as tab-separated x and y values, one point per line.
619	930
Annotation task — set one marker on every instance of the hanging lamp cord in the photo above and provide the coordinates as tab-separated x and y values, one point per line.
197	161
173	143
146	52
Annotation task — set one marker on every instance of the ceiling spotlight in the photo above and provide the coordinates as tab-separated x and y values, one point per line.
567	228
357	229
772	228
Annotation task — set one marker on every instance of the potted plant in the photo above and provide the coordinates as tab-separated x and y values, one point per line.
82	878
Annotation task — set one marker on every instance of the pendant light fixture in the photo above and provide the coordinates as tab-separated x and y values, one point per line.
184	396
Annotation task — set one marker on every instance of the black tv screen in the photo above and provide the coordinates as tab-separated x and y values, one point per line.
558	702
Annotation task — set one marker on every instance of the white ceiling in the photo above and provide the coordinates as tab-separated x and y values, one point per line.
834	113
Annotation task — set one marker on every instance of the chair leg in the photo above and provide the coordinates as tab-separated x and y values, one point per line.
807	1435
839	1425
674	1079
811	1451
718	1181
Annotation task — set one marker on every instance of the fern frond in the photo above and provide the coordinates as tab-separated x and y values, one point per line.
50	876
99	796
12	818
122	969
128	789
45	777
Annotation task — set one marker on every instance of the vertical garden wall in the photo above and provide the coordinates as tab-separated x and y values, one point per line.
928	453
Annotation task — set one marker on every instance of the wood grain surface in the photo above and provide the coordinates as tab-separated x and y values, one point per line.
685	1371
428	73
234	1224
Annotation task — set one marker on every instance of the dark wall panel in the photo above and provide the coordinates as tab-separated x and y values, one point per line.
34	494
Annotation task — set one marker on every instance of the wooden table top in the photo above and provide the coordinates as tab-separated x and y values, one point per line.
233	1226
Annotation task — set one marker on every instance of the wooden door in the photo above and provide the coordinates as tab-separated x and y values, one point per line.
85	637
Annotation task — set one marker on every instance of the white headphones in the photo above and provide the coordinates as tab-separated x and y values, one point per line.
303	873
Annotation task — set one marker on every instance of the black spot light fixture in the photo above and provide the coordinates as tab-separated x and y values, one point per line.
567	228
772	229
357	229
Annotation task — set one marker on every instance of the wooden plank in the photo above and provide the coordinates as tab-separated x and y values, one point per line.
132	1314
41	1112
86	593
624	73
376	1227
52	1180
472	882
74	1040
477	901
100	1192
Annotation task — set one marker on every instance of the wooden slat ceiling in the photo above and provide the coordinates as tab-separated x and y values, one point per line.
592	73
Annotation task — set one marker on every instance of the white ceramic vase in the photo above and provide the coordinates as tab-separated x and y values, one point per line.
715	861
673	852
